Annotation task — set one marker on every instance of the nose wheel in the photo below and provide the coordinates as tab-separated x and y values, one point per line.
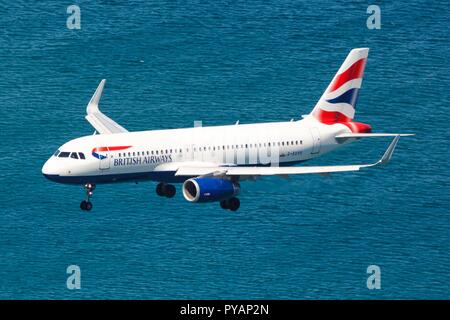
86	205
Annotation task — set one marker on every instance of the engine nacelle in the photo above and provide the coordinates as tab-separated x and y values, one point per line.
209	189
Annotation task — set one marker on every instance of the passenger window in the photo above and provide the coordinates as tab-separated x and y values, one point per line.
64	155
81	154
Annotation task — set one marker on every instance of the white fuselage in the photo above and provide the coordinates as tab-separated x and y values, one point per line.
157	154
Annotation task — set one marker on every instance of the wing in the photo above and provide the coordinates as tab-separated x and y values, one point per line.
97	119
282	171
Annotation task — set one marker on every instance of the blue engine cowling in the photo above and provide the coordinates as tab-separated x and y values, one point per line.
209	189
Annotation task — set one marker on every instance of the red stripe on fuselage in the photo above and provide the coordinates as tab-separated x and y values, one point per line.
355	71
100	149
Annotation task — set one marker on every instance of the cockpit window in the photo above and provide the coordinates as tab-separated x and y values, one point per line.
74	155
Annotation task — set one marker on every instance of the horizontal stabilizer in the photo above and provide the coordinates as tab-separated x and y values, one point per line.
344	136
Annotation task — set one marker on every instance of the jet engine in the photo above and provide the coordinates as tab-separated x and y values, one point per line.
209	189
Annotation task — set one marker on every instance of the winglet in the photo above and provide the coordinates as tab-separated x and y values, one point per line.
93	103
101	123
389	151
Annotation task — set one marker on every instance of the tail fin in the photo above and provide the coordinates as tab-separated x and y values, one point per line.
337	104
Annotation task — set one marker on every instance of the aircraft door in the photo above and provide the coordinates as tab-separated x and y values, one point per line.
104	160
197	153
315	133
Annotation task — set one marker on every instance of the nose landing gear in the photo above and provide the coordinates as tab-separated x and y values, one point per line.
165	190
86	205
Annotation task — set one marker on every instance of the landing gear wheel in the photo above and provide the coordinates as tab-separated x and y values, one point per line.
165	190
160	189
224	204
169	190
234	204
86	205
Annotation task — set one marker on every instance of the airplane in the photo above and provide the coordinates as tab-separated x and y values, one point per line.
211	162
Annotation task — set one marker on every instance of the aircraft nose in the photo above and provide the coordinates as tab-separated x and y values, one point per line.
50	170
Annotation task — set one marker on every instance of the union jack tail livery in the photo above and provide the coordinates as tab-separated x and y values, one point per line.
338	102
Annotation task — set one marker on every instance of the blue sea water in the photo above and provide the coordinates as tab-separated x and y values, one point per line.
168	63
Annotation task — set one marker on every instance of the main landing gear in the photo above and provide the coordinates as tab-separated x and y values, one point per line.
165	190
232	204
86	205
